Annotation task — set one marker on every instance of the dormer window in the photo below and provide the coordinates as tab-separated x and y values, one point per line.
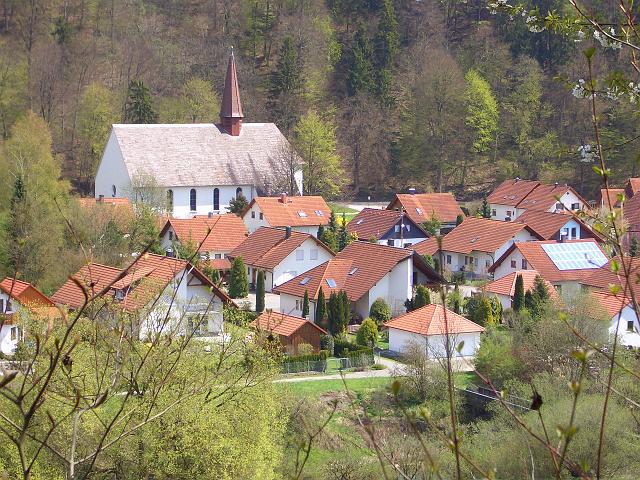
419	211
119	295
319	213
302	214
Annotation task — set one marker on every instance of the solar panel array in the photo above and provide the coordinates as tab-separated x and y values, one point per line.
575	256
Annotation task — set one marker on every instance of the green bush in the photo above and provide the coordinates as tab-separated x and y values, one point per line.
495	357
327	343
342	345
367	335
238	283
380	312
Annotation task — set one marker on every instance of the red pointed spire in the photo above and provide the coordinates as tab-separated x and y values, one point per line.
231	108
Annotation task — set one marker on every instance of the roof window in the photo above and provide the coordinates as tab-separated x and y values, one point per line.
302	214
359	221
353	270
305	280
419	210
319	213
331	282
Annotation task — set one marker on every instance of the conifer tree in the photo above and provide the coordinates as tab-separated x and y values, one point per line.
320	233
260	292
343	234
139	106
346	309
321	308
333	314
518	296
305	304
634	248
486	209
287	82
333	223
360	64
387	43
238	204
422	297
238	284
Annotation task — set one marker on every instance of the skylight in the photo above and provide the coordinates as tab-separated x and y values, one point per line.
359	221
305	280
353	270
575	256
419	210
319	213
331	282
302	214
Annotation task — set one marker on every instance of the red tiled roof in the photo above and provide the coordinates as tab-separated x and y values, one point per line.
421	206
633	187
603	277
220	264
152	272
295	211
374	223
220	233
613	197
537	259
507	284
426	247
267	247
282	324
612	304
543	197
631	211
512	191
547	225
25	293
481	235
356	269
430	320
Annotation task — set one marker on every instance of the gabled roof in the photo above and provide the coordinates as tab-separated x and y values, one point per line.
604	277
268	246
356	269
612	304
230	107
612	193
282	324
290	211
548	225
25	293
507	284
426	247
203	154
420	207
216	233
480	235
430	320
543	197
538	259
632	187
631	211
375	223
512	191
142	281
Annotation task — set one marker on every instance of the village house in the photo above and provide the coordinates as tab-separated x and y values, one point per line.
365	271
602	278
214	237
302	213
162	295
629	191
199	168
473	246
386	227
19	298
557	226
623	317
423	207
425	328
289	330
281	254
565	265
513	197
505	287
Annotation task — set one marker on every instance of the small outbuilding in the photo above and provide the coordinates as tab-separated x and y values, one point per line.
428	327
291	331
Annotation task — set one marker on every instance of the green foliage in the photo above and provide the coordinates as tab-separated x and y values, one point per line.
432	226
305	304
338	313
422	297
380	311
343	234
287	83
145	232
482	112
455	300
634	247
518	296
387	42
485	210
479	309
495	358
537	299
139	105
327	344
321	308
333	223
238	283
360	72
13	87
200	102
212	273
459	219
260	292
367	334
238	204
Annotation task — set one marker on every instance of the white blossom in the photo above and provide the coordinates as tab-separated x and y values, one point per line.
533	26
580	35
605	41
634	92
613	93
578	90
587	153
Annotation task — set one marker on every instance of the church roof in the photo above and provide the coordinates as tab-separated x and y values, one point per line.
231	107
202	154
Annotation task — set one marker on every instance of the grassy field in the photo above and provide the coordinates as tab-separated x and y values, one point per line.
357	386
349	213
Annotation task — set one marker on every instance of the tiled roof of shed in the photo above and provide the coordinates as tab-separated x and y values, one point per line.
282	324
293	211
430	320
420	207
220	233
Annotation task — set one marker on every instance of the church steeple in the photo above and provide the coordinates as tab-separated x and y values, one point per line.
231	109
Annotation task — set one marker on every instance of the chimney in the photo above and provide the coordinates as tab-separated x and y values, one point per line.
283	198
231	109
100	198
517	179
563	237
210	215
411	190
169	252
287	232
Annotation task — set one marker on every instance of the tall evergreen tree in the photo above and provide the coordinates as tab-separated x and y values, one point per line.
139	106
238	283
422	297
486	208
17	226
387	43
360	76
518	296
260	292
333	314
343	234
305	304
321	308
238	204
287	82
320	233
333	223
346	310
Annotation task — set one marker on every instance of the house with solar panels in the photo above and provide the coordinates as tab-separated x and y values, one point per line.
565	265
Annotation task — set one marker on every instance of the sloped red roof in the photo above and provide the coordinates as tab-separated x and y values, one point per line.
603	277
426	247
631	211
374	223
282	324
480	235
296	211
25	293
220	233
537	259
420	207
543	197
512	191
311	280
430	320
143	281
547	225
507	284
633	187
230	106
267	247
612	304
612	193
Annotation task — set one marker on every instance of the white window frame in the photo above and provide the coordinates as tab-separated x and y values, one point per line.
300	255
313	254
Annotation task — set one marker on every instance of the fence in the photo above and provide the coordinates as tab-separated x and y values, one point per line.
304	366
353	360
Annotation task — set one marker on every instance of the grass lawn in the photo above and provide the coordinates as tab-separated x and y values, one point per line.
315	388
349	213
464	379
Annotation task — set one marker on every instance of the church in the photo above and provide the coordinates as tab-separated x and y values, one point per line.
196	169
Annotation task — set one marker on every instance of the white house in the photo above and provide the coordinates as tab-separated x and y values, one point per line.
365	271
514	196
624	318
423	207
565	265
19	298
426	328
198	168
165	295
281	254
302	213
386	227
505	287
473	246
